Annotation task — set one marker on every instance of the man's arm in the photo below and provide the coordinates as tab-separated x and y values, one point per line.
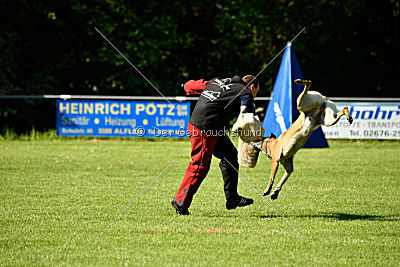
246	103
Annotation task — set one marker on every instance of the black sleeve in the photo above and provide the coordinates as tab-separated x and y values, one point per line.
248	101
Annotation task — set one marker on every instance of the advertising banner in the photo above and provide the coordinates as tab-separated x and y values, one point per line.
122	118
371	121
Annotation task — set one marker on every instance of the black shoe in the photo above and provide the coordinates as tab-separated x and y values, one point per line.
239	201
179	209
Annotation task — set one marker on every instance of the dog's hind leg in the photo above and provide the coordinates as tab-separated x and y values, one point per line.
288	165
334	118
274	169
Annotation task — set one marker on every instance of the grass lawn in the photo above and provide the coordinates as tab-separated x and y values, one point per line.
56	196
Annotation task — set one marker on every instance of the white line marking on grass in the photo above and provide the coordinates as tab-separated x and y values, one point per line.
132	65
269	202
127	206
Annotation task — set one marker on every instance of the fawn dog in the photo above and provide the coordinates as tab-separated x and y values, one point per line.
315	110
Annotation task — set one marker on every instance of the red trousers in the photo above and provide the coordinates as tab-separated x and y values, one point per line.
203	147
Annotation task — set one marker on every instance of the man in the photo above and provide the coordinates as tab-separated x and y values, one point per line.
218	104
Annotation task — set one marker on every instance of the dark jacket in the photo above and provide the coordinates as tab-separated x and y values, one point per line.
219	103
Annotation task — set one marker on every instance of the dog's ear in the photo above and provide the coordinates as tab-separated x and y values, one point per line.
272	136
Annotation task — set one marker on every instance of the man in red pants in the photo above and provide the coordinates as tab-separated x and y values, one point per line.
218	104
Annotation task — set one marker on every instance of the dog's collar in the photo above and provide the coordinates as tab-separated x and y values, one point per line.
258	145
266	152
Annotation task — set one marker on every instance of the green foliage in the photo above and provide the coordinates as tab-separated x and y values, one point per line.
32	135
57	195
349	48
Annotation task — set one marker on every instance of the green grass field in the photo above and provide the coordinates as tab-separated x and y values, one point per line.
56	196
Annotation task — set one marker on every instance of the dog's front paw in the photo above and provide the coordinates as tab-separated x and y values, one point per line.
266	192
274	195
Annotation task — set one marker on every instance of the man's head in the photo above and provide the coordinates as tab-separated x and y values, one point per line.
253	86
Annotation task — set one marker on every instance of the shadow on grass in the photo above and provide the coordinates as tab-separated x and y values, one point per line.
340	217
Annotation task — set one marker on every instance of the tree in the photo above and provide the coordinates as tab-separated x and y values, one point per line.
348	48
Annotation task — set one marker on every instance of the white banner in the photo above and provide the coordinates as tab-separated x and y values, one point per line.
371	121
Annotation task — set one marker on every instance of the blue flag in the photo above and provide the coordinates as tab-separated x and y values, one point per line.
282	108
